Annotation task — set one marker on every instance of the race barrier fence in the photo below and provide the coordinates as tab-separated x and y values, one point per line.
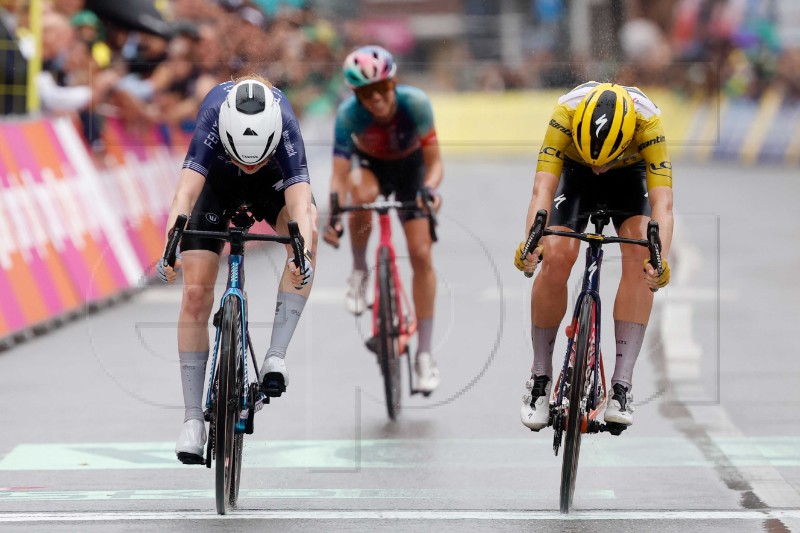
71	234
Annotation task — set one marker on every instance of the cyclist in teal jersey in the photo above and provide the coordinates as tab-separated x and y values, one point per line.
389	130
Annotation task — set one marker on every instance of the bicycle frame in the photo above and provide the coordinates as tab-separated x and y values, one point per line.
590	288
405	311
234	289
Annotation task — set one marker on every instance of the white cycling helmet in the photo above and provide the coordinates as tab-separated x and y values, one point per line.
250	122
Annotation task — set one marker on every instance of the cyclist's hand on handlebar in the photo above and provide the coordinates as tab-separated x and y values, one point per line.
301	277
333	233
166	273
654	281
436	200
528	264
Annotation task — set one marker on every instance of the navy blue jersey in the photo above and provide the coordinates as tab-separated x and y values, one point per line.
207	155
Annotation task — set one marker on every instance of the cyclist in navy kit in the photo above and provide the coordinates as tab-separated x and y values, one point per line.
389	130
246	150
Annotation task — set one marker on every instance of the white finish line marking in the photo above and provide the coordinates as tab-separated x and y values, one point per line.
397	515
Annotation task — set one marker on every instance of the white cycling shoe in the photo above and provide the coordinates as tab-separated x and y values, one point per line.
191	442
427	373
356	297
620	407
535	410
274	377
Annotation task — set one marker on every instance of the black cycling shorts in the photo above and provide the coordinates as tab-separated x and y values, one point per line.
622	192
403	177
220	198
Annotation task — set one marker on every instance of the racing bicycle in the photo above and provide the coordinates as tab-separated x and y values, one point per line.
232	398
580	392
393	318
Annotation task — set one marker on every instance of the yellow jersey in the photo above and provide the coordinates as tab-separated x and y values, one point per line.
648	144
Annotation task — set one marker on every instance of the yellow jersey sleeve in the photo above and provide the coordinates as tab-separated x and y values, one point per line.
651	143
557	138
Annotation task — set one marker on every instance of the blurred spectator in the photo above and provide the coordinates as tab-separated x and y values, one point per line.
88	29
71	80
18	45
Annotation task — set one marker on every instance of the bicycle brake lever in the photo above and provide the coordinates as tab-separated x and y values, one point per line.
175	235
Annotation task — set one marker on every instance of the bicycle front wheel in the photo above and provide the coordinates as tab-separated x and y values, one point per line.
388	329
576	410
229	391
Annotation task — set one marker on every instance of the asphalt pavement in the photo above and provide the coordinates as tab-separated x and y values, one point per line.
91	410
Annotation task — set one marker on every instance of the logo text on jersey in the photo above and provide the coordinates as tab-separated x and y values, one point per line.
549	150
287	143
661	169
566	131
559	200
659	139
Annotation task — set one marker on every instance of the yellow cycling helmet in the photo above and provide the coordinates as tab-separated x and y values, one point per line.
603	124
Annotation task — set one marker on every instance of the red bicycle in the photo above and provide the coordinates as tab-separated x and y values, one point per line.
393	318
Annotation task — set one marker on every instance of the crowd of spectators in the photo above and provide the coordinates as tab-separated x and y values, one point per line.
98	67
696	47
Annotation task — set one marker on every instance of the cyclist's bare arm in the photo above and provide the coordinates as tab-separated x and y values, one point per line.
340	179
298	207
190	185
544	190
434	171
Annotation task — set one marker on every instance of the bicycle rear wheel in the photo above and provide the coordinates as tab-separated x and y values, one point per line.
388	328
227	444
576	410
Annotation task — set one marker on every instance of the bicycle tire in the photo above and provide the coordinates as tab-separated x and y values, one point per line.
388	325
572	440
228	401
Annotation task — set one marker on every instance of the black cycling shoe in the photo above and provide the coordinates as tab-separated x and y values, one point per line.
272	385
190	458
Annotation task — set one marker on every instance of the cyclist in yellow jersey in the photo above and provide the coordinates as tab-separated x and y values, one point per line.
604	147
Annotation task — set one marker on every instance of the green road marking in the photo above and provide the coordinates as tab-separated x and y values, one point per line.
596	451
305	494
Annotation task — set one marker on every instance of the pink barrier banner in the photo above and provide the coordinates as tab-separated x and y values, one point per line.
69	233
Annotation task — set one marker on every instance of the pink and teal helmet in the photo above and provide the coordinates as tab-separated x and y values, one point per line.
368	65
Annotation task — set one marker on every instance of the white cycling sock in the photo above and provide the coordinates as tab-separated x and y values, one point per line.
193	376
629	342
288	309
425	334
544	340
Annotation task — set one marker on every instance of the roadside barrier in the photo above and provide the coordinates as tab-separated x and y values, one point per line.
73	235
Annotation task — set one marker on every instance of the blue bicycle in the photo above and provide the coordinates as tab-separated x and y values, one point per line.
580	392
232	399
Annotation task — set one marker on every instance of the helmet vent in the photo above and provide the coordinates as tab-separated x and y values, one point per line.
250	99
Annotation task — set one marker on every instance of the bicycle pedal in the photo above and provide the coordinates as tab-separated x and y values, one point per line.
615	428
372	344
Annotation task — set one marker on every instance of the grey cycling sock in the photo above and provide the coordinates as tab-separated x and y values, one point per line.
629	342
425	332
288	309
193	377
360	259
544	340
